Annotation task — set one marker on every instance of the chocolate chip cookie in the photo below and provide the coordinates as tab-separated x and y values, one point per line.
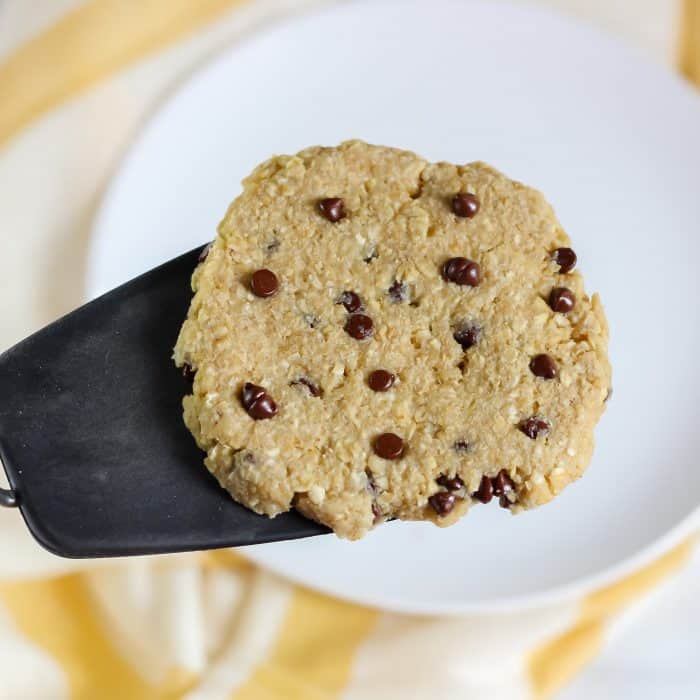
373	336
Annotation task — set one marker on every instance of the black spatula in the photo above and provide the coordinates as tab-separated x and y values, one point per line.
92	440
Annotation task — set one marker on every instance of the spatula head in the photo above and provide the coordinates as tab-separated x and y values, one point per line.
92	438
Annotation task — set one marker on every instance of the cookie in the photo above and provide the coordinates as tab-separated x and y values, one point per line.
373	336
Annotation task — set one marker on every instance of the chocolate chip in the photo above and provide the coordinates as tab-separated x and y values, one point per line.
485	491
451	483
204	252
562	300
502	483
312	320
442	502
313	388
333	208
565	258
543	366
263	408
380	380
371	255
465	204
398	292
272	246
188	373
461	446
250	394
350	301
533	427
263	283
359	326
389	446
467	334
462	271
257	402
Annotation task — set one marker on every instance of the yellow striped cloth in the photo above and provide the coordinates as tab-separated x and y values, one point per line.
208	626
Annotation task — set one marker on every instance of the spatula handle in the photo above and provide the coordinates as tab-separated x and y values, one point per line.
8	499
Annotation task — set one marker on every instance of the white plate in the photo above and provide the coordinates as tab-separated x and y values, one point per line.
611	139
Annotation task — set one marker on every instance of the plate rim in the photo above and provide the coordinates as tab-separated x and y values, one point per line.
554	595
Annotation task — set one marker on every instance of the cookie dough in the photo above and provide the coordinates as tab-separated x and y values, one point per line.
373	336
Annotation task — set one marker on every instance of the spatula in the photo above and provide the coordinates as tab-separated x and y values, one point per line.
92	439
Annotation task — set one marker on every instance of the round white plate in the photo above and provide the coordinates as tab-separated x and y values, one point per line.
610	138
